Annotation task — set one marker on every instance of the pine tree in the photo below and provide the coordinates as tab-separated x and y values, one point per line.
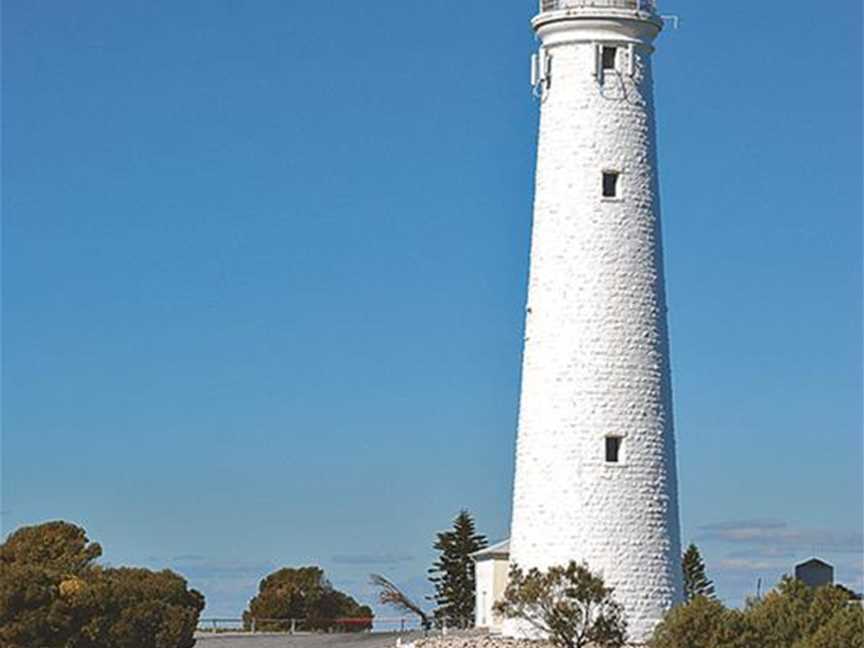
453	573
696	583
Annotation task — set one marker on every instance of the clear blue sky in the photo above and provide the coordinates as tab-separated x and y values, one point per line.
265	267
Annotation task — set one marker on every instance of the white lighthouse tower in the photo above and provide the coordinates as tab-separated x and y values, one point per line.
595	461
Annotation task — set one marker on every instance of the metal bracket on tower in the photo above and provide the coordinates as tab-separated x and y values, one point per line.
674	19
541	72
598	62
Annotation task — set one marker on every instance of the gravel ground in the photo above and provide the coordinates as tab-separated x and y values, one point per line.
358	640
364	640
479	641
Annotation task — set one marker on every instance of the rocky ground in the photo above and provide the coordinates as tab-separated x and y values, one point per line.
267	640
472	639
479	641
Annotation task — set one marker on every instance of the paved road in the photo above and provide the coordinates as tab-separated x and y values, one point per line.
358	640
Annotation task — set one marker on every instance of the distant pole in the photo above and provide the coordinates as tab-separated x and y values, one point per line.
402	624
759	588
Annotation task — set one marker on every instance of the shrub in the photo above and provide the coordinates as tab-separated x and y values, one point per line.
304	593
793	612
569	605
694	625
52	595
844	628
57	547
791	616
138	608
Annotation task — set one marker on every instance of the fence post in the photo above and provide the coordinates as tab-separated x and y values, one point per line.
293	626
253	625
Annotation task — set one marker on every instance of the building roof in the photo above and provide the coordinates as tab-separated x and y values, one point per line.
499	550
814	562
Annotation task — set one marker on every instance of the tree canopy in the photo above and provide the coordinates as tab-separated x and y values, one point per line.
56	546
53	595
304	594
792	615
453	573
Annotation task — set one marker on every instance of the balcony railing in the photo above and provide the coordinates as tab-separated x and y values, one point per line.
649	6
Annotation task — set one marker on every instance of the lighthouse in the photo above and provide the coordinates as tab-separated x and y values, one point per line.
595	476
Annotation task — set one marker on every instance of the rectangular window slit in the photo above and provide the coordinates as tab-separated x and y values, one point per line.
609	54
610	184
613	449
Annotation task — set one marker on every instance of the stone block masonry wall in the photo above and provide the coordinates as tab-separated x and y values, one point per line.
596	357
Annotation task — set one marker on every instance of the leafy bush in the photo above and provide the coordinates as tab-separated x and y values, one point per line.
52	595
791	616
845	628
304	593
138	608
695	625
569	605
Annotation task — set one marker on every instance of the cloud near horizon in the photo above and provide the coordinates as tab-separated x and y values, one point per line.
371	559
215	569
778	536
746	552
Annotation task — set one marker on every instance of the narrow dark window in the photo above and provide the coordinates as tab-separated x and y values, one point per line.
609	54
610	184
613	449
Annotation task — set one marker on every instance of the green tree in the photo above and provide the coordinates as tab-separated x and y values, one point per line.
55	546
569	605
844	628
305	594
793	612
37	564
136	608
52	595
792	615
696	582
453	573
694	625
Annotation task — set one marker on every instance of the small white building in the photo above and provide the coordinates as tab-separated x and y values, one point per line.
490	571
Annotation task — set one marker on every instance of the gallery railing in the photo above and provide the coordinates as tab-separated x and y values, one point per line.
649	6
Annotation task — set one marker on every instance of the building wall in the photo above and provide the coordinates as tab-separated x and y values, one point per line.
596	357
815	574
491	581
